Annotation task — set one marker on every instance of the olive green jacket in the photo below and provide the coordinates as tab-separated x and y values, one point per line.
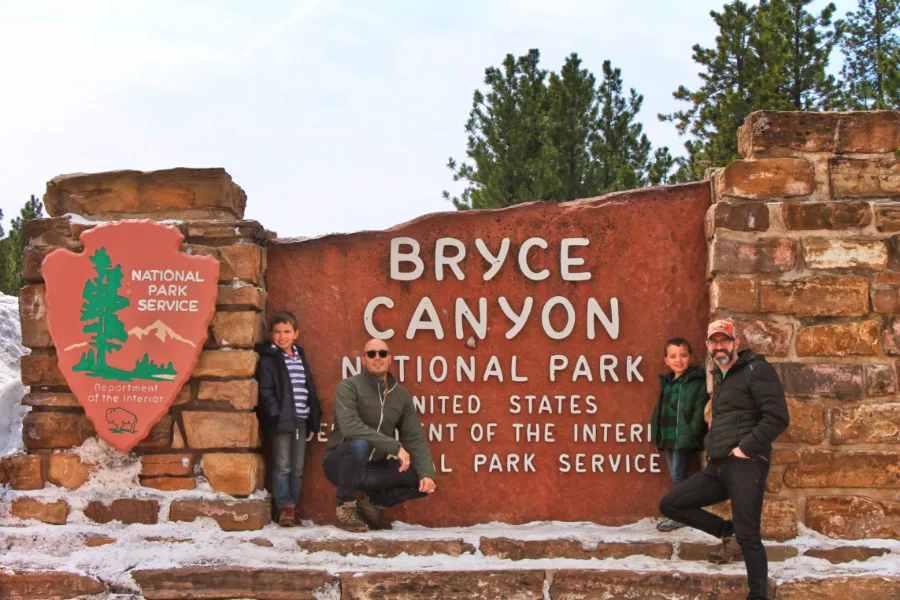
366	409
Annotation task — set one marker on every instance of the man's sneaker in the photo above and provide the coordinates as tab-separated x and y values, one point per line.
730	551
667	525
347	518
373	515
286	516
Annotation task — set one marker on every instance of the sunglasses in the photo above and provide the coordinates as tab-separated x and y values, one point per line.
380	353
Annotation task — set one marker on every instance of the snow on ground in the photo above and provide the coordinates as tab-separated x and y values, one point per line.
31	545
11	389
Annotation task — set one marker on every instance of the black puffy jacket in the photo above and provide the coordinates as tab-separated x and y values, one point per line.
748	408
276	395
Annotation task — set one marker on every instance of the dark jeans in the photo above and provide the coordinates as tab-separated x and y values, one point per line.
679	463
348	467
743	480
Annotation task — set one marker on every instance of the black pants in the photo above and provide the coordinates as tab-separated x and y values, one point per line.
743	480
348	467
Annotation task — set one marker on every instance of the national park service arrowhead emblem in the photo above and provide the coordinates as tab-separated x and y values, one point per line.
129	317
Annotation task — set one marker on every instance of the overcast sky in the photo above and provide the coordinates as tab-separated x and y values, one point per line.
333	115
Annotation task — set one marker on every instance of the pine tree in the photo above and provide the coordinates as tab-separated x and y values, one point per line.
621	149
732	76
572	117
101	303
661	167
872	52
507	142
13	246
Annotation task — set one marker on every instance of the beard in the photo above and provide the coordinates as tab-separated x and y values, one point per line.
722	358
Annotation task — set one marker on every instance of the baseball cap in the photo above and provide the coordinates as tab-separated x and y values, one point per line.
720	326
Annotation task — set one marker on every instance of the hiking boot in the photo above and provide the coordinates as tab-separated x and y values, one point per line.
730	551
347	518
373	515
667	525
286	516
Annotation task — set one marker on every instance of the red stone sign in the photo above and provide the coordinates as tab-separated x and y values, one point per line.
531	338
129	317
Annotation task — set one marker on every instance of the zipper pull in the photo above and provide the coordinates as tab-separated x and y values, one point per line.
297	434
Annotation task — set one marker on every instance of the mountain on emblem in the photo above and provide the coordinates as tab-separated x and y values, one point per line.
129	316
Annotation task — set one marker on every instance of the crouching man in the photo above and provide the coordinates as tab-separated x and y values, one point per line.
362	454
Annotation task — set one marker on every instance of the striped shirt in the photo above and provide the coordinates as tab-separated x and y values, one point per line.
297	373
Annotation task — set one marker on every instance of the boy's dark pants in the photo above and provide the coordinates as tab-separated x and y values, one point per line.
348	467
743	480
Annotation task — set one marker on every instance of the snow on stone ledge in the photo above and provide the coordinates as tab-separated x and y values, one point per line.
11	389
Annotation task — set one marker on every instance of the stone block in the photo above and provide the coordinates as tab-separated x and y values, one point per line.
231	515
169	484
740	216
32	259
839	339
52	399
99	540
779	517
55	232
217	230
177	438
159	436
891	336
388	548
765	179
858	587
809	380
853	517
54	513
807	423
830	253
55	430
126	510
808	216
845	554
238	294
41	370
226	363
155	465
207	430
887	217
33	317
823	296
866	424
24	472
765	336
223	582
763	256
850	469
236	261
446	585
242	394
67	470
861	132
596	584
48	585
234	474
774	482
865	177
237	329
737	295
196	193
781	456
700	551
880	380
510	549
886	299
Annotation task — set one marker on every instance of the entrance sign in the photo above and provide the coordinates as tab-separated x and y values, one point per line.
129	317
530	337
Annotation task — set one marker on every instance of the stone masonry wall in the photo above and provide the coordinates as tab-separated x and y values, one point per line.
211	429
804	239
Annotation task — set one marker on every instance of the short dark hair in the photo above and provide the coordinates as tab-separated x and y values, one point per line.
677	342
283	316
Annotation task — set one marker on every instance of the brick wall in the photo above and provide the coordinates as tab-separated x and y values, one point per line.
804	255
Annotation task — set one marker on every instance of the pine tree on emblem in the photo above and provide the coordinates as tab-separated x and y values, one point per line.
101	303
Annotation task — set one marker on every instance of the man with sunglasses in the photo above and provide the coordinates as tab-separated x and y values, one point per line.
748	412
363	455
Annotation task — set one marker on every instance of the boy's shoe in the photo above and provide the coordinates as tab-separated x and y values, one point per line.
372	514
667	525
347	518
730	551
286	516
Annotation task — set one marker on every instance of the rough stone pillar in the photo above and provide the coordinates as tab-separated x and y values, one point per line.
211	428
804	255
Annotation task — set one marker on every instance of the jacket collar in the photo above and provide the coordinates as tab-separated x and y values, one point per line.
744	356
375	381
